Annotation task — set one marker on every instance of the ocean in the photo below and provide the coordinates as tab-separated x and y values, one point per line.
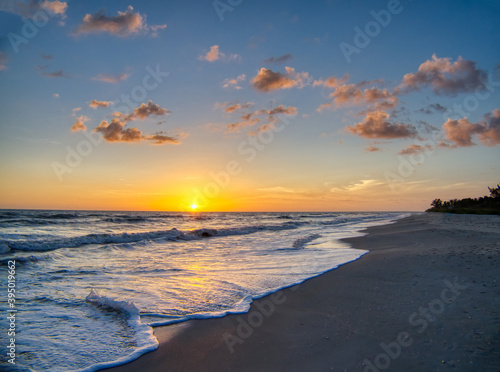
89	286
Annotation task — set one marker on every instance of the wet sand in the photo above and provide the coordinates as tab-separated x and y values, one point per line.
425	298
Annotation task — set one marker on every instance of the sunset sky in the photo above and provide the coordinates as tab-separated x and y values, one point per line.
239	105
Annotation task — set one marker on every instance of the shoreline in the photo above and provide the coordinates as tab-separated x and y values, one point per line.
424	298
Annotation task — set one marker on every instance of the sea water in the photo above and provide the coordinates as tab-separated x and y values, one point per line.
89	286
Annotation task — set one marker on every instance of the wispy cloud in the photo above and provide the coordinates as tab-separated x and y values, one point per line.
54	74
281	59
432	108
28	9
266	118
234	83
214	54
112	79
415	149
100	104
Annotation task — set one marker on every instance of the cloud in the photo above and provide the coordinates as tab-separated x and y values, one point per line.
491	134
357	186
229	107
144	111
444	77
432	108
331	82
461	131
156	28
54	74
124	24
373	149
214	54
234	83
3	61
95	104
28	9
376	125
267	80
112	79
281	59
80	123
115	131
56	7
415	149
352	94
267	117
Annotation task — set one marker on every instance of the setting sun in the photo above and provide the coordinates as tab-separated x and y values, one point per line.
194	206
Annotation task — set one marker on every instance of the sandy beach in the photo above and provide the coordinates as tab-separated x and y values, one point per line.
425	298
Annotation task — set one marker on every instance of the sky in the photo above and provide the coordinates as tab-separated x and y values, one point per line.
238	105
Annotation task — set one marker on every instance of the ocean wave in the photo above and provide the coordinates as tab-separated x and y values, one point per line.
301	242
169	235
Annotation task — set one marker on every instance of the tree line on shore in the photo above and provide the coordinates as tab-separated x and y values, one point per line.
483	205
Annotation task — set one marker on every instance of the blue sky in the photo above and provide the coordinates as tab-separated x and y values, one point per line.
348	154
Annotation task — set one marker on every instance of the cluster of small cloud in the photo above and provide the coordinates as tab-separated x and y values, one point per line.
123	24
214	54
266	118
115	130
234	83
380	105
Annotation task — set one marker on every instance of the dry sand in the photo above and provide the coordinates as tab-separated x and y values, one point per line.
425	298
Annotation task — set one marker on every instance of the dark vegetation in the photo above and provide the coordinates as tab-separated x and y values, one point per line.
483	205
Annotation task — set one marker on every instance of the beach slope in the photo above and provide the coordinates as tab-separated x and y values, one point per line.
425	298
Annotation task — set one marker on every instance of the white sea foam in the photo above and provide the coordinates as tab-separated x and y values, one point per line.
147	270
